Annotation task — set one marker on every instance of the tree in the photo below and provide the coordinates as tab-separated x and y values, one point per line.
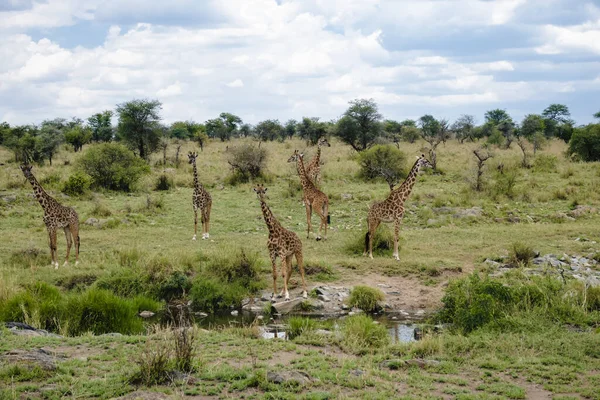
433	132
269	130
597	115
77	136
385	162
223	127
360	125
464	128
139	125
482	157
311	129
532	128
557	120
246	130
290	127
101	126
497	116
585	143
4	131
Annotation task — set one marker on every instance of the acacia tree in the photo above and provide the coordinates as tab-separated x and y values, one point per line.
311	129
597	115
503	122
101	126
433	132
558	122
269	129
139	125
360	125
290	128
464	128
77	136
532	128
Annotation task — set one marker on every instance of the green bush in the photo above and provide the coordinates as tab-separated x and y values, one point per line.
100	311
175	286
384	162
40	305
163	183
382	244
361	335
247	162
545	163
112	166
366	298
210	295
125	283
78	183
521	254
299	325
585	143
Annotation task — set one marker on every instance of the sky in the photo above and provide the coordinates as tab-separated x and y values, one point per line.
283	59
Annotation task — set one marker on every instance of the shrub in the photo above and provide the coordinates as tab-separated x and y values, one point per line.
585	143
521	254
545	163
112	166
361	334
78	183
40	305
383	162
247	162
383	242
100	311
100	210
236	268
366	298
210	294
154	364
299	325
124	283
505	183
163	183
174	287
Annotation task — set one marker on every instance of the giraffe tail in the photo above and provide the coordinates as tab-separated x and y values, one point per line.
367	238
328	219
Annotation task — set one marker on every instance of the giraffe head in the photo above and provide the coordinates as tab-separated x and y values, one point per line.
26	170
192	156
296	156
261	191
422	162
323	142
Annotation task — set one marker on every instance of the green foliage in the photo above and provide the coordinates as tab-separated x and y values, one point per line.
247	162
585	143
495	137
139	125
362	335
517	302
464	128
78	136
311	129
125	283
545	163
100	311
78	183
112	166
101	126
175	286
39	305
155	365
223	127
384	162
163	183
29	257
300	325
366	298
211	294
382	244
269	130
360	125
505	183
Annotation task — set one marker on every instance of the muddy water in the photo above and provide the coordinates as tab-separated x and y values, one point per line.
400	331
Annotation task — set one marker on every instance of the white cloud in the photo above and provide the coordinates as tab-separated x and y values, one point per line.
564	39
235	84
171	90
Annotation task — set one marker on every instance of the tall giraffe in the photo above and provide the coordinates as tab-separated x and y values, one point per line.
282	243
313	168
392	208
201	200
314	199
55	216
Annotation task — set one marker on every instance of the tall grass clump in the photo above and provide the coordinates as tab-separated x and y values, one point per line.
362	335
300	325
366	298
78	184
521	254
382	243
518	302
40	305
247	162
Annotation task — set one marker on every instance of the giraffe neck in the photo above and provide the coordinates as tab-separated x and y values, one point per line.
318	156
270	220
197	184
42	197
304	181
406	188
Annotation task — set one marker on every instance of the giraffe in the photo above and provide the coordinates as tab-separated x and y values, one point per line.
313	168
55	216
282	243
314	199
392	208
201	200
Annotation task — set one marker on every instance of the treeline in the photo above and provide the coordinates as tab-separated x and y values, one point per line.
361	126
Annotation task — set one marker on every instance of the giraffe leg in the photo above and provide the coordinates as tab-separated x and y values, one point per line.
195	223
286	268
300	261
69	243
396	233
52	234
75	232
323	218
372	228
308	215
273	257
207	218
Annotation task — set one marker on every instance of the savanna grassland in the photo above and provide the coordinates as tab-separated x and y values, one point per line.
546	349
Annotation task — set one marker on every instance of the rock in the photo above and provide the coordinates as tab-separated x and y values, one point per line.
432	221
418	333
514	220
469	212
346	196
201	314
235	313
146	314
357	372
323	332
345	307
322	290
442	210
40	357
260	317
392	364
581	210
91	221
492	263
285	307
297	377
324	298
10	198
25	332
421	363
